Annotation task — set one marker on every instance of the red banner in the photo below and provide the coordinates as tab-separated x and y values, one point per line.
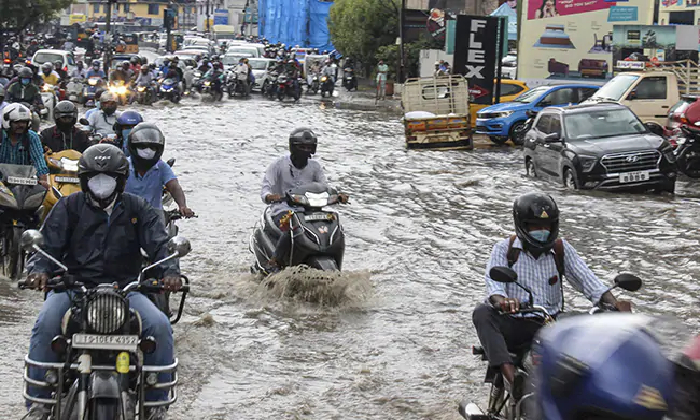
542	9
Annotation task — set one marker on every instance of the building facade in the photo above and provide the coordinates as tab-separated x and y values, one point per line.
146	13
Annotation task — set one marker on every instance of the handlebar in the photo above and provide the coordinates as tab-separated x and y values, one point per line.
176	215
65	283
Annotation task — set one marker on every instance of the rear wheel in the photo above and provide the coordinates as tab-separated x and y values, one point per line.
570	179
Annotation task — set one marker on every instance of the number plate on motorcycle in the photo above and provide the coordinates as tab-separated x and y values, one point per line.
105	342
317	216
68	179
640	176
21	181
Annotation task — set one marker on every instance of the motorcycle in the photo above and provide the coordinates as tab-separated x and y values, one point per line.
349	80
21	197
521	130
93	83
49	99
285	86
74	90
119	88
146	95
197	81
513	404
237	82
102	375
169	90
327	86
270	85
688	152
63	176
318	239
315	85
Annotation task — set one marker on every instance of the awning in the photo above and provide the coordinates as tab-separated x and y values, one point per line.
512	16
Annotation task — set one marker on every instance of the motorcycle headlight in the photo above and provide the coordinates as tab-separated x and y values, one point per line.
207	83
121	90
300	199
141	88
92	82
587	162
323	79
106	312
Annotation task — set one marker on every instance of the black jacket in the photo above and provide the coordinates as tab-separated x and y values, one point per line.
97	248
58	141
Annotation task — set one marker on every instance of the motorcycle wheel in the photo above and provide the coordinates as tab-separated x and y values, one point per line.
231	92
690	167
13	258
296	96
104	409
176	98
323	94
280	95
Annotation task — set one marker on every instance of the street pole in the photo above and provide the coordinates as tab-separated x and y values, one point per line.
401	71
168	37
208	26
108	37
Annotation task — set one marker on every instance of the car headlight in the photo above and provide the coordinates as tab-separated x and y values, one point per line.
503	114
587	162
106	312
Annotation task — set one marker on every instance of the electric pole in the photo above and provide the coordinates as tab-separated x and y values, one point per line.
108	37
208	26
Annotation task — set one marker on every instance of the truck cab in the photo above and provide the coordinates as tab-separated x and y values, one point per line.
650	94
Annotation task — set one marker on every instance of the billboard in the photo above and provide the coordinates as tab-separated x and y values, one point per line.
220	16
573	39
475	55
640	46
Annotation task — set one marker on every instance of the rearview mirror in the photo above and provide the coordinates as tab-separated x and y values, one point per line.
552	138
83	121
30	238
503	275
179	245
629	282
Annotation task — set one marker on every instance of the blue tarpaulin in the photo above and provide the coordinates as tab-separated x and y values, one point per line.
295	22
512	16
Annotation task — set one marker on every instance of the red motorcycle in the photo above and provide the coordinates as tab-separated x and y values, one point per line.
286	87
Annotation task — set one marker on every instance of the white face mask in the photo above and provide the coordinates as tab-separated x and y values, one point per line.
102	185
146	154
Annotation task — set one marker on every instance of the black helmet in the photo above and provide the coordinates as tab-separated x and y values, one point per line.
146	136
65	109
303	140
536	209
103	159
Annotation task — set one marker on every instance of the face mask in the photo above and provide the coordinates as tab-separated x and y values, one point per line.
540	235
125	133
102	185
97	104
109	110
146	154
64	126
25	82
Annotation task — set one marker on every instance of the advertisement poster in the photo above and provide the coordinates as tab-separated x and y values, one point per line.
572	40
475	55
650	44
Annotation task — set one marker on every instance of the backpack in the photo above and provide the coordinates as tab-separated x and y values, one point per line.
513	254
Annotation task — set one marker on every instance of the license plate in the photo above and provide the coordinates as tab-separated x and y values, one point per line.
21	181
105	342
68	179
318	216
639	176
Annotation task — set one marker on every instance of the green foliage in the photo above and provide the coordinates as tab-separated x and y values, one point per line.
390	55
20	14
360	27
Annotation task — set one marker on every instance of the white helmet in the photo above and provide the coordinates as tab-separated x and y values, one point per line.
108	97
15	112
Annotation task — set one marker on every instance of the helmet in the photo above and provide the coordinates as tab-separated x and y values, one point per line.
47	67
303	140
13	113
58	65
145	69
96	64
146	136
98	93
126	65
108	96
129	118
536	209
134	60
103	159
608	366
65	109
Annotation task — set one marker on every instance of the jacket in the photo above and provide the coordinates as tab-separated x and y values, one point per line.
30	94
58	141
98	248
102	123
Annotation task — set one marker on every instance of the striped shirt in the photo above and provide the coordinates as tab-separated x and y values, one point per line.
16	155
535	274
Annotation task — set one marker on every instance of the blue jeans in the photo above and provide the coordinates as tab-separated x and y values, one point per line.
48	325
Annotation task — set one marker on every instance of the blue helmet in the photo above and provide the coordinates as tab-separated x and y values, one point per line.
605	366
129	118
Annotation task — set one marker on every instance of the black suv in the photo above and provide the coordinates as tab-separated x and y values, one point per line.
598	146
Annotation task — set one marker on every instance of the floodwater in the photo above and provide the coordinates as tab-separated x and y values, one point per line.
392	339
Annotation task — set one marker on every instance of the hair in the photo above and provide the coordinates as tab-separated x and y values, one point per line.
544	3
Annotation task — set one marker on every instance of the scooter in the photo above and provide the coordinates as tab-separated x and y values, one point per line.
318	239
285	86
688	152
315	84
514	403
169	90
49	99
327	86
74	90
270	85
63	176
146	95
349	80
93	83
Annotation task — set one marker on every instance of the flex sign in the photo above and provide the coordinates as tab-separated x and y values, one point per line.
475	54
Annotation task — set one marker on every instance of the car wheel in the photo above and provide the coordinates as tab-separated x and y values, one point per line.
570	179
530	168
498	140
517	133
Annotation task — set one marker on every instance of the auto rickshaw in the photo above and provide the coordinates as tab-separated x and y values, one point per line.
132	43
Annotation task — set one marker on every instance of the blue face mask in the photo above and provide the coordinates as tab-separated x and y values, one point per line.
540	235
97	104
25	82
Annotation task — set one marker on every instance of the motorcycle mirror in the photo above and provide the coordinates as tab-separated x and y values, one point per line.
83	121
179	245
503	275
171	162
629	282
31	238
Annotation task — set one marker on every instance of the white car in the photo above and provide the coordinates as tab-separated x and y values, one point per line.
260	67
240	49
51	56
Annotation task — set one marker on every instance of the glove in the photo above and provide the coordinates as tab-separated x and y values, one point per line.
172	283
37	281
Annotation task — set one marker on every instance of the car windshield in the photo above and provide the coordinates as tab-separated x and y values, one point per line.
251	51
614	89
232	60
258	64
602	123
531	95
42	58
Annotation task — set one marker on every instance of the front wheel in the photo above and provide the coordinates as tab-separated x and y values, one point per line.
570	179
280	94
518	132
13	254
104	409
530	168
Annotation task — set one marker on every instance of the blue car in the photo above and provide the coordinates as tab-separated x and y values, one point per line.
500	121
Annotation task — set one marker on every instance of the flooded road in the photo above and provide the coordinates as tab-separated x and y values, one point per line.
420	228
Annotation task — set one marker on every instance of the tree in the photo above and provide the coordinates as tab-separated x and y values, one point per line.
359	27
19	14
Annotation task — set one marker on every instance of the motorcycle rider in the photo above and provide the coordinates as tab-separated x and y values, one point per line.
64	135
79	71
244	73
103	120
148	173
60	69
125	123
286	172
98	96
18	144
121	73
96	70
48	75
3	104
23	90
99	233
540	259
135	65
